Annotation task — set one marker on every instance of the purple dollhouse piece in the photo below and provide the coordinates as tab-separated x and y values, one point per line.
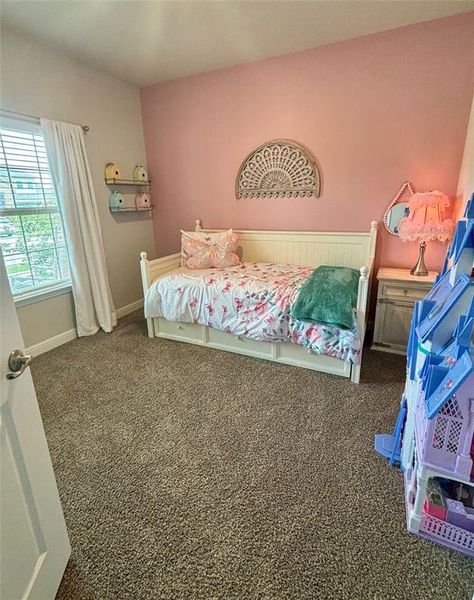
434	436
445	412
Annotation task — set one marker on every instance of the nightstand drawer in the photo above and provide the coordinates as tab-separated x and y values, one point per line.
399	291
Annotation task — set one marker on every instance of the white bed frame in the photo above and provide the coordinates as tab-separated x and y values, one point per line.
305	248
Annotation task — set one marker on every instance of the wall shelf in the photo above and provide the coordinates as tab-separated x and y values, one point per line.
129	182
130	209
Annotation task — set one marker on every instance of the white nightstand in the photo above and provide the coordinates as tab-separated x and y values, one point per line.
397	293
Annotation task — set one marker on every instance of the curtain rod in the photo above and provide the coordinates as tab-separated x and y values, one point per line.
85	128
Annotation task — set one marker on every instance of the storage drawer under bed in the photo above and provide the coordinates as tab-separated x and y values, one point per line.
288	353
186	331
238	343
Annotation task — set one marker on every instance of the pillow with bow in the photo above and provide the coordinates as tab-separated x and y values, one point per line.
200	250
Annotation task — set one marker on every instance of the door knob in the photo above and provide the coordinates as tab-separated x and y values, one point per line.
17	363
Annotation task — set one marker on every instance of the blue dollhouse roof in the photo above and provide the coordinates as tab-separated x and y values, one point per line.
420	310
443	302
463	237
439	303
446	296
445	373
469	211
448	381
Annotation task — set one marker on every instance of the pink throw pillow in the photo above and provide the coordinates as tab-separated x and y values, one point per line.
209	252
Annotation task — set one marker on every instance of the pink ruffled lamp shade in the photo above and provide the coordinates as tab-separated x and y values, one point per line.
429	219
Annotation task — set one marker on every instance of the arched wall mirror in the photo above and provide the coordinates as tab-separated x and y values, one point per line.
398	208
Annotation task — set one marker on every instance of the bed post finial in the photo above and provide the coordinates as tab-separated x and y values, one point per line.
364	272
198	226
143	255
374	227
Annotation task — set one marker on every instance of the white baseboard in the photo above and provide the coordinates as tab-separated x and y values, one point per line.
125	310
52	342
71	334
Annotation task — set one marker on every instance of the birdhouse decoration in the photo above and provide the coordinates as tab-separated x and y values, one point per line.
116	201
143	200
140	173
112	171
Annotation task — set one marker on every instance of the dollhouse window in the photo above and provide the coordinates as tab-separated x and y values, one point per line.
448	427
451	408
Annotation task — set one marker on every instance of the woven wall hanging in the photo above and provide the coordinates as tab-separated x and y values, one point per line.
278	169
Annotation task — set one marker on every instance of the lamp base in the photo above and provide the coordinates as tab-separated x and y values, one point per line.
420	269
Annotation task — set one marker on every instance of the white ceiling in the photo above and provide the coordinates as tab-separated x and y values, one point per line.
145	42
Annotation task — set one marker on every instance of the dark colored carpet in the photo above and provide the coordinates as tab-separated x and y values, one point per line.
190	473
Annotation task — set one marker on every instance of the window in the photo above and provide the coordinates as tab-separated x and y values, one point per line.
31	230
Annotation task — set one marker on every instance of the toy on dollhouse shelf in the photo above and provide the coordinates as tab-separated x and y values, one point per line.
433	438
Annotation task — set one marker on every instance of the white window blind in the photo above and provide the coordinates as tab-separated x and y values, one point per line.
31	231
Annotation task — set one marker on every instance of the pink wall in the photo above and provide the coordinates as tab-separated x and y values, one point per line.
375	111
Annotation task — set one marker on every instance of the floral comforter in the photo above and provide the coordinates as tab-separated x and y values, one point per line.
252	299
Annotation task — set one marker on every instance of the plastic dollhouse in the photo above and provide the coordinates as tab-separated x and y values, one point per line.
433	440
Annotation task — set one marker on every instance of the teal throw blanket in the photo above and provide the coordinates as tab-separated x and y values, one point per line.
329	297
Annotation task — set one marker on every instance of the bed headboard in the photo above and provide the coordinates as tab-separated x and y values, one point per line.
306	248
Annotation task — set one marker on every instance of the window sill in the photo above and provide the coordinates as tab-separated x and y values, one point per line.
42	294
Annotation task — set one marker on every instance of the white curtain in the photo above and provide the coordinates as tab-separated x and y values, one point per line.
73	183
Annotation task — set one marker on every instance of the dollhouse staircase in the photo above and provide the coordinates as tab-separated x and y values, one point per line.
389	445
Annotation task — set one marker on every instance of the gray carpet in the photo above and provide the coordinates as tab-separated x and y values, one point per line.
190	473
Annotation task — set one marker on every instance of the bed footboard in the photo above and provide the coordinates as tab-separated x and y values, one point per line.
151	270
363	296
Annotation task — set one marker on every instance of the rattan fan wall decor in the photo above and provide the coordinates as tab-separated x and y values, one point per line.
278	169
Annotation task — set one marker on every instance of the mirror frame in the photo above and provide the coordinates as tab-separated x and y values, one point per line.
406	187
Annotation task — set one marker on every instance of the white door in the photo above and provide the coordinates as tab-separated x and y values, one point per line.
34	544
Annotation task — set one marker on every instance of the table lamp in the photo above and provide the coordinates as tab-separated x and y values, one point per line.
429	219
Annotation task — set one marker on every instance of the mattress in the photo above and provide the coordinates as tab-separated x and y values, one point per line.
251	299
